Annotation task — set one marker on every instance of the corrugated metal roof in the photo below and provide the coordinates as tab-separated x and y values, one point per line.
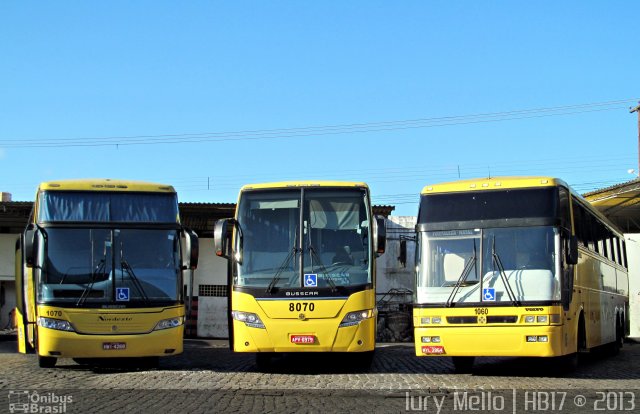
620	203
614	187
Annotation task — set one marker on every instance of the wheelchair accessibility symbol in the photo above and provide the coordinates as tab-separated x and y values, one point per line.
311	280
122	294
489	294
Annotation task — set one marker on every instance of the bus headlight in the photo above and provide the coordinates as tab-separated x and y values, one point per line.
250	319
354	318
56	324
169	323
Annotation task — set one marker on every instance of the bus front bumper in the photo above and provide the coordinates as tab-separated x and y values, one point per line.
527	341
63	344
318	335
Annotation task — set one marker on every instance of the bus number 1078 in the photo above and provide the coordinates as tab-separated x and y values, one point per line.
301	306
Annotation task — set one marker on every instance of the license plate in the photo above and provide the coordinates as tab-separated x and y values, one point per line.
108	346
433	349
303	339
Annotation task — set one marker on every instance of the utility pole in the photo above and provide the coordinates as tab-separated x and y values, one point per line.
637	110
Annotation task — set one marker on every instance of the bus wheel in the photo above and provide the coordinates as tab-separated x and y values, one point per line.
46	362
614	347
263	361
149	363
463	365
566	364
362	360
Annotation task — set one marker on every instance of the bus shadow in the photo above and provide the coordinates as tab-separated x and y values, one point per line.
391	359
597	364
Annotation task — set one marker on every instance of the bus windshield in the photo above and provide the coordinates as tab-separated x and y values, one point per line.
126	267
330	233
518	264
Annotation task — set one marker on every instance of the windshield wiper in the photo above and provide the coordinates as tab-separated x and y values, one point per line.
124	265
463	277
283	266
94	272
497	262
87	291
327	276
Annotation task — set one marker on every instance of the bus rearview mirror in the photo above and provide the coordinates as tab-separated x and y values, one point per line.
572	253
380	236
30	247
221	237
192	248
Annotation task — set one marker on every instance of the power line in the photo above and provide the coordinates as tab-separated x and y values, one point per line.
316	131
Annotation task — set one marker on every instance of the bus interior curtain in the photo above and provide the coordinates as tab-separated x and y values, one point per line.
102	207
334	215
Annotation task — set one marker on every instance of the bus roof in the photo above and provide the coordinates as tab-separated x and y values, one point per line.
104	184
304	183
492	183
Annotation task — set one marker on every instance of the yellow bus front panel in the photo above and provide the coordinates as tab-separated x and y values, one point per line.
489	331
288	327
489	341
99	333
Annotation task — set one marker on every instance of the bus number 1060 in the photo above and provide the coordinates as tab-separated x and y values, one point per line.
301	306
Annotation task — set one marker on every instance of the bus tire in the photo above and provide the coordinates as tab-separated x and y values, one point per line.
149	362
263	361
362	360
615	346
569	363
46	362
463	365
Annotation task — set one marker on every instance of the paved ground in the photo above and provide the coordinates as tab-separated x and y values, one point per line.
209	378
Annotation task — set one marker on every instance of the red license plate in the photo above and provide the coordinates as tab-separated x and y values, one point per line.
433	349
108	346
303	339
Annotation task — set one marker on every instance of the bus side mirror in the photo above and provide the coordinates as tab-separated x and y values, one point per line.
222	237
402	257
192	250
572	250
30	247
379	236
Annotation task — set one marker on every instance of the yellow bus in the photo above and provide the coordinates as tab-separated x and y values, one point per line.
516	266
99	272
302	269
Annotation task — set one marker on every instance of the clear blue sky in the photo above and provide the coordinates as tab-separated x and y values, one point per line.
76	71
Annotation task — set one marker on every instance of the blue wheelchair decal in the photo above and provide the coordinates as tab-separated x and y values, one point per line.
489	294
310	280
122	294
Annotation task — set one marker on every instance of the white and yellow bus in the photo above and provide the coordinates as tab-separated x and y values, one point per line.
302	269
99	271
516	266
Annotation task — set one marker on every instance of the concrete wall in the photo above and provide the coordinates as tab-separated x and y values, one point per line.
7	277
633	257
391	273
210	280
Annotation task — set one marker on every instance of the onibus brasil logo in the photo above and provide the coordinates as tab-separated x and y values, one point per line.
38	402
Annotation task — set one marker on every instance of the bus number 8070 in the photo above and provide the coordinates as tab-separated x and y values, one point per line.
301	306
